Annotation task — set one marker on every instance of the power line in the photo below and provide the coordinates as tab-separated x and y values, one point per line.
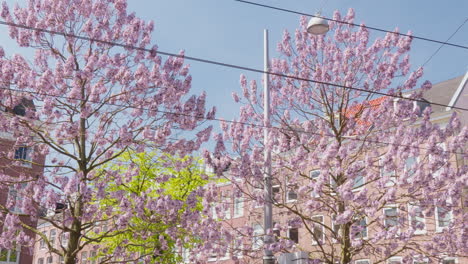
227	121
440	47
351	24
224	64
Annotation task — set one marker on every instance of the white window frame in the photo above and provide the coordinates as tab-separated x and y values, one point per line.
227	208
366	227
314	242
13	191
390	206
84	257
238	207
416	162
18	252
419	219
314	179
288	190
436	173
361	261
356	189
64	239
393	177
257	238
396	258
334	224
439	228
422	260
273	193
52	236
450	258
26	161
288	234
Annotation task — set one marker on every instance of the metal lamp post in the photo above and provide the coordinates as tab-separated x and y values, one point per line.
316	26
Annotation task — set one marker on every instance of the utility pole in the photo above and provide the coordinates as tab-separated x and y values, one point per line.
268	257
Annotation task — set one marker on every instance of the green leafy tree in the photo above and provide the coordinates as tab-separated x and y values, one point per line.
151	182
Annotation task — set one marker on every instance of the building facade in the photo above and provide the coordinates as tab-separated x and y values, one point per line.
240	209
22	163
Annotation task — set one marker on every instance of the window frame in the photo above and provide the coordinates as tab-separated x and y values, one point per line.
361	260
314	179
257	238
315	242
439	228
366	228
397	258
410	219
24	157
393	206
393	178
288	190
238	207
288	233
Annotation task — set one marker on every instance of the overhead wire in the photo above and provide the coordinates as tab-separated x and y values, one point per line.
229	121
234	66
351	24
443	44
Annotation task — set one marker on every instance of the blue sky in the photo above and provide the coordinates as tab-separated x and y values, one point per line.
232	32
229	31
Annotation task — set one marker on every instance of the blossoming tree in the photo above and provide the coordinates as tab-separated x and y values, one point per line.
361	174
94	101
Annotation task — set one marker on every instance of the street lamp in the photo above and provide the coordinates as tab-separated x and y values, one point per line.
316	26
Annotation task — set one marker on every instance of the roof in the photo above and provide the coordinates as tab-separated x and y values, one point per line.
445	92
374	103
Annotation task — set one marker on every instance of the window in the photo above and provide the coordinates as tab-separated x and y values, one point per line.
21	153
52	237
276	230
318	235
420	260
64	239
227	208
336	229
443	218
42	242
360	228
84	257
362	261
238	206
92	257
257	240
395	260
214	208
293	234
8	256
50	260
387	174
358	182
61	260
416	218
391	217
314	174
410	167
275	192
291	194
449	260
15	198
439	164
40	261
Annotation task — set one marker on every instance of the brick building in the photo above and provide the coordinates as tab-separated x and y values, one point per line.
242	211
21	164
